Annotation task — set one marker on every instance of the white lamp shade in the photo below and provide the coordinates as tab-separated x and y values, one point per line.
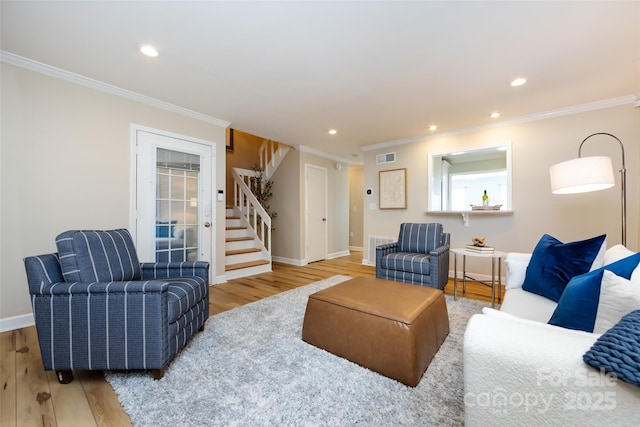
582	175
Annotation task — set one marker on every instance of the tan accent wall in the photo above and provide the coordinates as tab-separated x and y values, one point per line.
244	155
288	201
65	164
356	206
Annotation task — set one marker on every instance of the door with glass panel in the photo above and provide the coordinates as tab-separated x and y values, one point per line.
174	211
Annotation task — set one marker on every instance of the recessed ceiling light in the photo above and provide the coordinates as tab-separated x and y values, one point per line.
332	132
433	127
518	82
149	50
494	115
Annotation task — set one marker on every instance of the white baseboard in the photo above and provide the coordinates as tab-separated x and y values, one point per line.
338	254
290	261
356	248
220	279
16	322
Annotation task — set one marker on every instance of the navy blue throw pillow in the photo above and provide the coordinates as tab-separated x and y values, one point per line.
578	305
554	263
617	351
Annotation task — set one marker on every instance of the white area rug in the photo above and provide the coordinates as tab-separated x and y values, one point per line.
250	367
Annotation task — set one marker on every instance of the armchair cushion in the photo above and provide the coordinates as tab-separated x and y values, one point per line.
554	263
407	262
98	256
419	238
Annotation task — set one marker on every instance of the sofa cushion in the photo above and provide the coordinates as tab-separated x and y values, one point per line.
408	262
578	306
617	351
616	253
554	263
98	256
419	238
526	305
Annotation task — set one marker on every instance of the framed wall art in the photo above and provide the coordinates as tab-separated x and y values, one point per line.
229	139
393	189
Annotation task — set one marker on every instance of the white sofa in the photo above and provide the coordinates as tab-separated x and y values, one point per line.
521	371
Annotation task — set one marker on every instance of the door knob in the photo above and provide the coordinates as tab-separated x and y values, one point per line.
207	224
324	219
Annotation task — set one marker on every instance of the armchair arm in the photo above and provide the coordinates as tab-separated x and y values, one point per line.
98	288
163	270
439	260
520	372
386	249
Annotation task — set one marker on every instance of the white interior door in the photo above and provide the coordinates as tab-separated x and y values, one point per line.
174	219
316	213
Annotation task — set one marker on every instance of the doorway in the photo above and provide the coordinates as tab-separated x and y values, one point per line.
173	218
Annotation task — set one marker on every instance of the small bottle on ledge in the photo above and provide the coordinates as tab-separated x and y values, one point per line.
485	199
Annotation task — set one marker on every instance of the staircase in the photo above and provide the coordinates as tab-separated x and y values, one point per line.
245	255
248	226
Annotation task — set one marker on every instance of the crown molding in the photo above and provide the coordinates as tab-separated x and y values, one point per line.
49	70
310	150
566	111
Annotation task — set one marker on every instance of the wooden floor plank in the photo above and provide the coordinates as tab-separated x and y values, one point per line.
33	395
8	379
70	403
102	399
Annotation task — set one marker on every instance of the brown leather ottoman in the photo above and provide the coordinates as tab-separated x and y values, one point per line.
392	328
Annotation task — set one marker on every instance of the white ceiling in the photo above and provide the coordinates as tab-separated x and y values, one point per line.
375	71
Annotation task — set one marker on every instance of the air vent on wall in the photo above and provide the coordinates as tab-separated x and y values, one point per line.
381	159
373	242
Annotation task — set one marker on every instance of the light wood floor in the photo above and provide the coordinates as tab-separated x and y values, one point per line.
30	396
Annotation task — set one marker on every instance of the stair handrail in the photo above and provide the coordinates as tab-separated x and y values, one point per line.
246	201
266	152
271	154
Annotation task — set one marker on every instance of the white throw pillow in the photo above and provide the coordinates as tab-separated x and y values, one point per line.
618	296
516	264
616	253
599	260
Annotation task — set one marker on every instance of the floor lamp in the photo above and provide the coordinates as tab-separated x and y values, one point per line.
586	174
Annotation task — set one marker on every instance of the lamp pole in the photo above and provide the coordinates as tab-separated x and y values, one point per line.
623	181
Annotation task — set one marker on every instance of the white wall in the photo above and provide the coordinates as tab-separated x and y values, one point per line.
536	146
65	159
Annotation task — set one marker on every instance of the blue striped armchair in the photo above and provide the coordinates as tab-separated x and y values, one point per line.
420	256
97	308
